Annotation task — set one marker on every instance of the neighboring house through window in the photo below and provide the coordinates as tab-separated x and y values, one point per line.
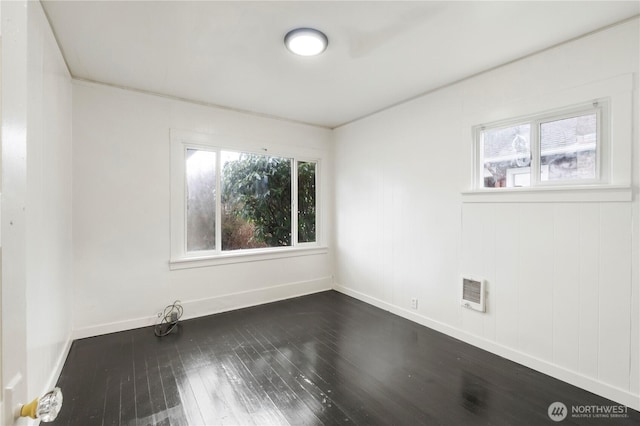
562	147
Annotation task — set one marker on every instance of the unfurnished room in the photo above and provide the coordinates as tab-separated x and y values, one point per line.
320	213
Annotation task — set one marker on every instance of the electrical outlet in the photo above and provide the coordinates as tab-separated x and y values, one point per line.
414	303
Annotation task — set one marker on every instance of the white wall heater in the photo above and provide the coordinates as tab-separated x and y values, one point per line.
473	294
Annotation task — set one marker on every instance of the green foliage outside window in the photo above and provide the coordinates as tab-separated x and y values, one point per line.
306	202
256	201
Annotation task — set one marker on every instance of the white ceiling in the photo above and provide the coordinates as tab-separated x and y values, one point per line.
231	54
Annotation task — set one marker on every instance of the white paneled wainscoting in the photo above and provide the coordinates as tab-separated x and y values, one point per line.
560	292
559	283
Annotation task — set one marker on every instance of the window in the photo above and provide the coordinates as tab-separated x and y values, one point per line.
256	201
306	201
201	199
562	147
232	202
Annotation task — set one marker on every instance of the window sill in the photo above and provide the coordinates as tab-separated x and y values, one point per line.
245	256
551	194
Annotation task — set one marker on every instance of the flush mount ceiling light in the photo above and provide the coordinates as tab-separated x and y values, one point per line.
306	41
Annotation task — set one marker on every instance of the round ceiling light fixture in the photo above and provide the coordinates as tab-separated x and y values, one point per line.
306	41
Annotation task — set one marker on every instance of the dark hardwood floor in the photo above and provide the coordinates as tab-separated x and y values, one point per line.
320	359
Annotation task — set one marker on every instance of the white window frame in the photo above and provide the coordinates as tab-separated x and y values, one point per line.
615	184
180	257
599	106
294	210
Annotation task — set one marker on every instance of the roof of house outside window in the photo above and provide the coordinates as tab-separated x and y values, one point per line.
556	137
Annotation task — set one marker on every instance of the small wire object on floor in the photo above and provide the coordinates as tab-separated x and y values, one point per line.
170	317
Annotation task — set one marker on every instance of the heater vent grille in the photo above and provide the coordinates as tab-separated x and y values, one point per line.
471	291
473	294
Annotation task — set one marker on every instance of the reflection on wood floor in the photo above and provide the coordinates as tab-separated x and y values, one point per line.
319	359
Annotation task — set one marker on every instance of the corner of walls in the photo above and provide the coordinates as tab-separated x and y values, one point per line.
58	365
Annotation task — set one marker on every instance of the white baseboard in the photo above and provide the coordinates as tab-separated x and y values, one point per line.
590	384
215	305
55	374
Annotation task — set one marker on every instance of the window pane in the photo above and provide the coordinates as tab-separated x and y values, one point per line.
256	201
201	200
568	148
506	156
306	202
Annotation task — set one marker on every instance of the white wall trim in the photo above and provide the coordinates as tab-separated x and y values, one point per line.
215	305
55	374
246	255
90	82
590	384
576	194
183	140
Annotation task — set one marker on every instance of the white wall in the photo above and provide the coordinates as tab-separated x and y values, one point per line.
121	210
48	216
563	277
36	207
